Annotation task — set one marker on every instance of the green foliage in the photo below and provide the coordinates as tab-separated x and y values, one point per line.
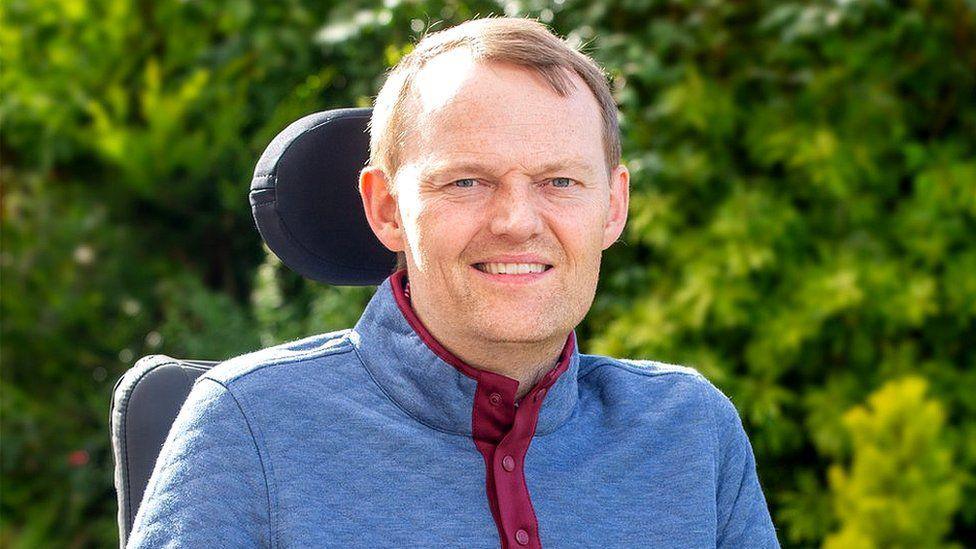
71	310
285	314
901	489
801	230
802	224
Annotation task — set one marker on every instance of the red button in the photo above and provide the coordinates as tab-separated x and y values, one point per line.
508	462
522	537
495	399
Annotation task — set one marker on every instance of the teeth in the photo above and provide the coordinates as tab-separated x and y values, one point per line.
512	268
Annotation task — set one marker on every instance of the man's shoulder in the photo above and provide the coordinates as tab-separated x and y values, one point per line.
291	356
652	379
638	367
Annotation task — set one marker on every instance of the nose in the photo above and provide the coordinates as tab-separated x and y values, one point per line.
514	213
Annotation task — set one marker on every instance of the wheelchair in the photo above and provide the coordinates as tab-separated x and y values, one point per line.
305	202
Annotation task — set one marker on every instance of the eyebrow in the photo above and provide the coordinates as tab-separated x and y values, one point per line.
440	170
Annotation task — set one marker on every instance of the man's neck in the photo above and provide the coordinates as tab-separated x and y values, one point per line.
525	362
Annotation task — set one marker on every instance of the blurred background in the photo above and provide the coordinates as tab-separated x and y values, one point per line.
802	231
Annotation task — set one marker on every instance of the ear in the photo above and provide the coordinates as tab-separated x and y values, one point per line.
381	208
619	202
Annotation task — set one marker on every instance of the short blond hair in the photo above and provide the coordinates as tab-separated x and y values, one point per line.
522	42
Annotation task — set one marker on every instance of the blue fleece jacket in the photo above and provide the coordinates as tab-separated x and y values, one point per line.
364	438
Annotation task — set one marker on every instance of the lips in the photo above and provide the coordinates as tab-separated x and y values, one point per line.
511	268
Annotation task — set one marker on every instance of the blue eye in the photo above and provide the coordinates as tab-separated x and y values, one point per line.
465	183
561	182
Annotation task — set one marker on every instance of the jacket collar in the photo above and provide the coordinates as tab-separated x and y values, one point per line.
436	387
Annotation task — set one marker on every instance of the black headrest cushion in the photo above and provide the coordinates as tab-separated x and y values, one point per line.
305	200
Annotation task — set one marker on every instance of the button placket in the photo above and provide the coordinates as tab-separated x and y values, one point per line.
507	443
508	463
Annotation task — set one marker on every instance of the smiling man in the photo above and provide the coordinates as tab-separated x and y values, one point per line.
502	192
459	410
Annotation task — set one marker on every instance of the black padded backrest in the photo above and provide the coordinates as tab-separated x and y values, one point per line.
145	403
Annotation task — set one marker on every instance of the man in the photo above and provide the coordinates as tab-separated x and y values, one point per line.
459	411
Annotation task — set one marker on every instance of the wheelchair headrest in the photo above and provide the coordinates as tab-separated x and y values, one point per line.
306	204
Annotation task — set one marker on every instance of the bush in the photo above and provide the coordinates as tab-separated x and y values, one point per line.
901	488
804	200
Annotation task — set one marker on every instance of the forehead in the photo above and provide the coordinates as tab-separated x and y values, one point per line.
500	113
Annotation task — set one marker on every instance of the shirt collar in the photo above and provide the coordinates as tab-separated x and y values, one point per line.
436	387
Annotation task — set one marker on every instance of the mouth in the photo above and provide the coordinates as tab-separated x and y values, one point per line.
512	269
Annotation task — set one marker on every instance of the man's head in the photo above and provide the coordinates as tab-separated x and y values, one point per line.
494	142
521	42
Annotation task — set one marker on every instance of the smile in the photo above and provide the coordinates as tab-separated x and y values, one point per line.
512	268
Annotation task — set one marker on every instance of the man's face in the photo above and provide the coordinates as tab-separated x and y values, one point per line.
501	176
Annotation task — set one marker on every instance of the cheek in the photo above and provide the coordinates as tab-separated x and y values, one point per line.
581	232
443	229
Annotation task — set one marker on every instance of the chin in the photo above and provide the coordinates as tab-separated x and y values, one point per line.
518	338
522	331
